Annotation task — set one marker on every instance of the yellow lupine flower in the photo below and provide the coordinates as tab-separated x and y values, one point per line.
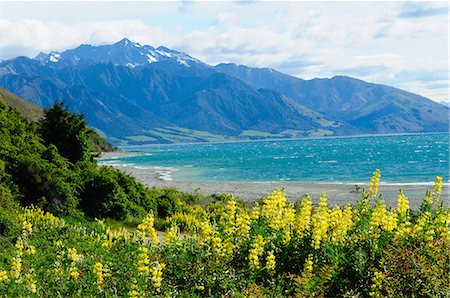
230	210
308	267
256	250
38	217
171	235
377	215
374	183
134	294
31	250
73	255
27	228
146	227
73	272
19	246
389	221
404	230
58	243
303	218
437	188
216	245
30	283
286	236
402	204
319	223
377	284
157	275
16	267
273	208
3	276
190	221
99	274
205	233
340	222
270	262
256	211
228	247
242	224
143	262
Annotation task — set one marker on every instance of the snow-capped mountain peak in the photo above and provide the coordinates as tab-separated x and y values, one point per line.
124	52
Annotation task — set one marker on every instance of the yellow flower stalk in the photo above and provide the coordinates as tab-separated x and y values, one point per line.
134	294
73	272
339	223
27	228
256	211
286	236
228	247
143	262
270	262
374	184
3	276
205	233
377	284
172	235
319	223
73	255
99	275
402	205
16	267
377	216
19	246
308	267
216	246
157	275
303	218
273	209
389	221
256	250
30	283
58	243
242	224
147	229
37	216
230	210
31	250
437	188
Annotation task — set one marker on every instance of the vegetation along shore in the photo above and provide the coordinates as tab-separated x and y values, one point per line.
72	227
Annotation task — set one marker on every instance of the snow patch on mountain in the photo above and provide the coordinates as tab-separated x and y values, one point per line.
125	53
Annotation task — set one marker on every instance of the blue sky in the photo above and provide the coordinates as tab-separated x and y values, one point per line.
403	44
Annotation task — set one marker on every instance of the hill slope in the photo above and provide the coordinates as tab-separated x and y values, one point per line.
31	112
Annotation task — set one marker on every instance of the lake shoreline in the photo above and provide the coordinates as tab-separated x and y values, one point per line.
340	194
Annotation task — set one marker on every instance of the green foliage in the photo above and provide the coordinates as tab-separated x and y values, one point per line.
67	131
108	192
59	175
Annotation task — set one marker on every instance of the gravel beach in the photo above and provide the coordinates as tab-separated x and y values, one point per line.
340	194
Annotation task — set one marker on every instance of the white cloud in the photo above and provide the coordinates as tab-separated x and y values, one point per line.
369	40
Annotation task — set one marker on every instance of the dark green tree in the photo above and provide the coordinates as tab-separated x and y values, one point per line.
67	131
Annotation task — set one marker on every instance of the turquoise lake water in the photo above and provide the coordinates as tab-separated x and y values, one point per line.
411	158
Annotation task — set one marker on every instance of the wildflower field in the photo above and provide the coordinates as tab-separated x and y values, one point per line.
229	249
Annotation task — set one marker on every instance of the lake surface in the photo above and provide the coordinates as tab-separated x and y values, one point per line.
411	158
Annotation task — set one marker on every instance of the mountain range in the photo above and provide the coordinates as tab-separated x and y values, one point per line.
132	93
